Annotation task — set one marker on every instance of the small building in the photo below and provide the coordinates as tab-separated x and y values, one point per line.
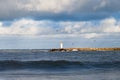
75	50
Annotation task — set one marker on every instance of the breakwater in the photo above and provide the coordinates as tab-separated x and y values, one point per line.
86	49
57	50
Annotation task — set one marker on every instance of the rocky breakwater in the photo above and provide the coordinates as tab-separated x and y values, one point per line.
84	49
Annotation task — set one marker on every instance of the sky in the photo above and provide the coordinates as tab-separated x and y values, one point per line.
43	24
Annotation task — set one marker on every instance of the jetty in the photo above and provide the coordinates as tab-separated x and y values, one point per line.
85	49
82	49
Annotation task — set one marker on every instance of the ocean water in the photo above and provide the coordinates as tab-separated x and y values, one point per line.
44	65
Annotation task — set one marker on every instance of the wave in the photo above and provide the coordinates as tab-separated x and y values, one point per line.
61	64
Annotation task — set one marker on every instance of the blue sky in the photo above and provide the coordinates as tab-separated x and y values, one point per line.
41	24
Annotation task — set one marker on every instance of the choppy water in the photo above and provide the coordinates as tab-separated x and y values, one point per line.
40	65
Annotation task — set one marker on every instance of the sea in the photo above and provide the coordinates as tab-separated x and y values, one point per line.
30	64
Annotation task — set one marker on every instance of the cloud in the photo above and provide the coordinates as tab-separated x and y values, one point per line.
109	25
85	29
60	10
26	27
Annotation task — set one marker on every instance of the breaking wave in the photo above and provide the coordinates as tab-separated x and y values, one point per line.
61	64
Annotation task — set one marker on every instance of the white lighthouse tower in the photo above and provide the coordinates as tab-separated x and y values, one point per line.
61	45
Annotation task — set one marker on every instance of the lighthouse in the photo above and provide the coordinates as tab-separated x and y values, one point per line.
61	45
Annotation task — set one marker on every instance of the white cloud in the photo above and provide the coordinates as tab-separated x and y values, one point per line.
55	6
85	29
26	27
109	25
